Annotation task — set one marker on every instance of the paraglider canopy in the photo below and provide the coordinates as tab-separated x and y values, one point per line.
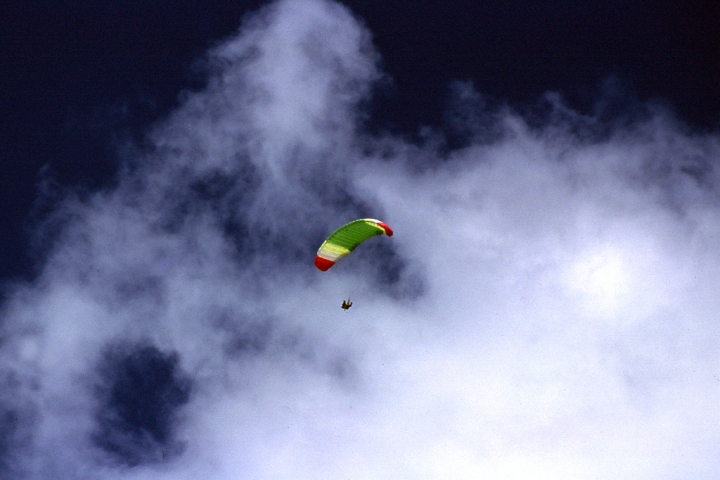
344	240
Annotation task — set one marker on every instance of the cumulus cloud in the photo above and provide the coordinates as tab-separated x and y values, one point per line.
547	307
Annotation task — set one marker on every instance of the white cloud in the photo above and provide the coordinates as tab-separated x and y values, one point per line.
547	307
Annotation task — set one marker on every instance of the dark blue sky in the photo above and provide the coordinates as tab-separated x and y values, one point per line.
80	78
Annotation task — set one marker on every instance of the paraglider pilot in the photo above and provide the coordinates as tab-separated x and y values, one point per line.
346	304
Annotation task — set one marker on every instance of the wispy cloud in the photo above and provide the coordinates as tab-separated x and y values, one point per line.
547	307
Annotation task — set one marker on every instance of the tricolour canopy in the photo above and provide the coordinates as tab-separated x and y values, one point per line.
344	240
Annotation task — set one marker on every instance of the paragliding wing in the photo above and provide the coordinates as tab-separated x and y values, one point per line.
344	240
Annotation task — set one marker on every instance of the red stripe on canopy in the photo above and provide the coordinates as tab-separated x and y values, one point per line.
386	227
323	263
